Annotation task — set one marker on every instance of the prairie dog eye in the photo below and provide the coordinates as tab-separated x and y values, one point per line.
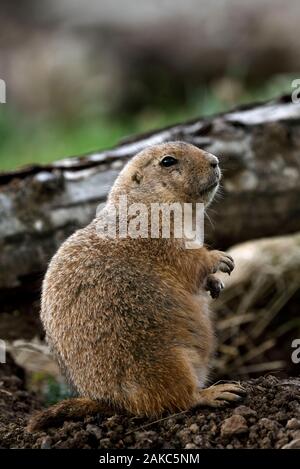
168	161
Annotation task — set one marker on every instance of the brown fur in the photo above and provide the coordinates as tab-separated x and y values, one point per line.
128	318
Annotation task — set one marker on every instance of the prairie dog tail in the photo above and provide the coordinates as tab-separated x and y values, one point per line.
66	410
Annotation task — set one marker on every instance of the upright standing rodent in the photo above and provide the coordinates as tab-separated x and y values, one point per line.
128	319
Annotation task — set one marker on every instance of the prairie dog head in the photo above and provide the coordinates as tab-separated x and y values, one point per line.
169	172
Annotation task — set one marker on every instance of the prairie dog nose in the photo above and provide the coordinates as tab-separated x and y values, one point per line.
213	160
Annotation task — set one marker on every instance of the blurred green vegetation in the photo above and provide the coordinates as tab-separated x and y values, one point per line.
56	391
51	389
26	139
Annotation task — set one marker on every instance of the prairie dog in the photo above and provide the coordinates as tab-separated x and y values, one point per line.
128	319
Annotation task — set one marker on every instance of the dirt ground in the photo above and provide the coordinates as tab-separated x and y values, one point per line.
269	417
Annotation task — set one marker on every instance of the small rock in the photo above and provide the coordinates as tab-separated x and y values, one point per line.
194	428
112	435
213	427
280	416
94	430
198	440
170	422
265	442
128	440
293	424
253	433
190	446
294	444
234	425
46	442
269	424
184	436
281	442
295	435
280	434
147	439
244	411
105	443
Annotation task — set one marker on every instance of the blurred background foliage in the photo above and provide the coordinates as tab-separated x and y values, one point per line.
82	75
44	139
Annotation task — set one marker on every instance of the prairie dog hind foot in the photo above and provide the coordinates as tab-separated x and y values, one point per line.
220	395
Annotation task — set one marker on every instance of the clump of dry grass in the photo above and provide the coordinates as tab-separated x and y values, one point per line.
258	313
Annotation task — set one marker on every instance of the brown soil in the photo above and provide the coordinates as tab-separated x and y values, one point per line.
269	417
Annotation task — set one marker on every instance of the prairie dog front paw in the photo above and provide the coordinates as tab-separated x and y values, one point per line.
214	285
222	261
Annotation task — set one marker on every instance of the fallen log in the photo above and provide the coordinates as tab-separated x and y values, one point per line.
258	147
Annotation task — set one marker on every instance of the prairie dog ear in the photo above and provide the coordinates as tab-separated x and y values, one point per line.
137	177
